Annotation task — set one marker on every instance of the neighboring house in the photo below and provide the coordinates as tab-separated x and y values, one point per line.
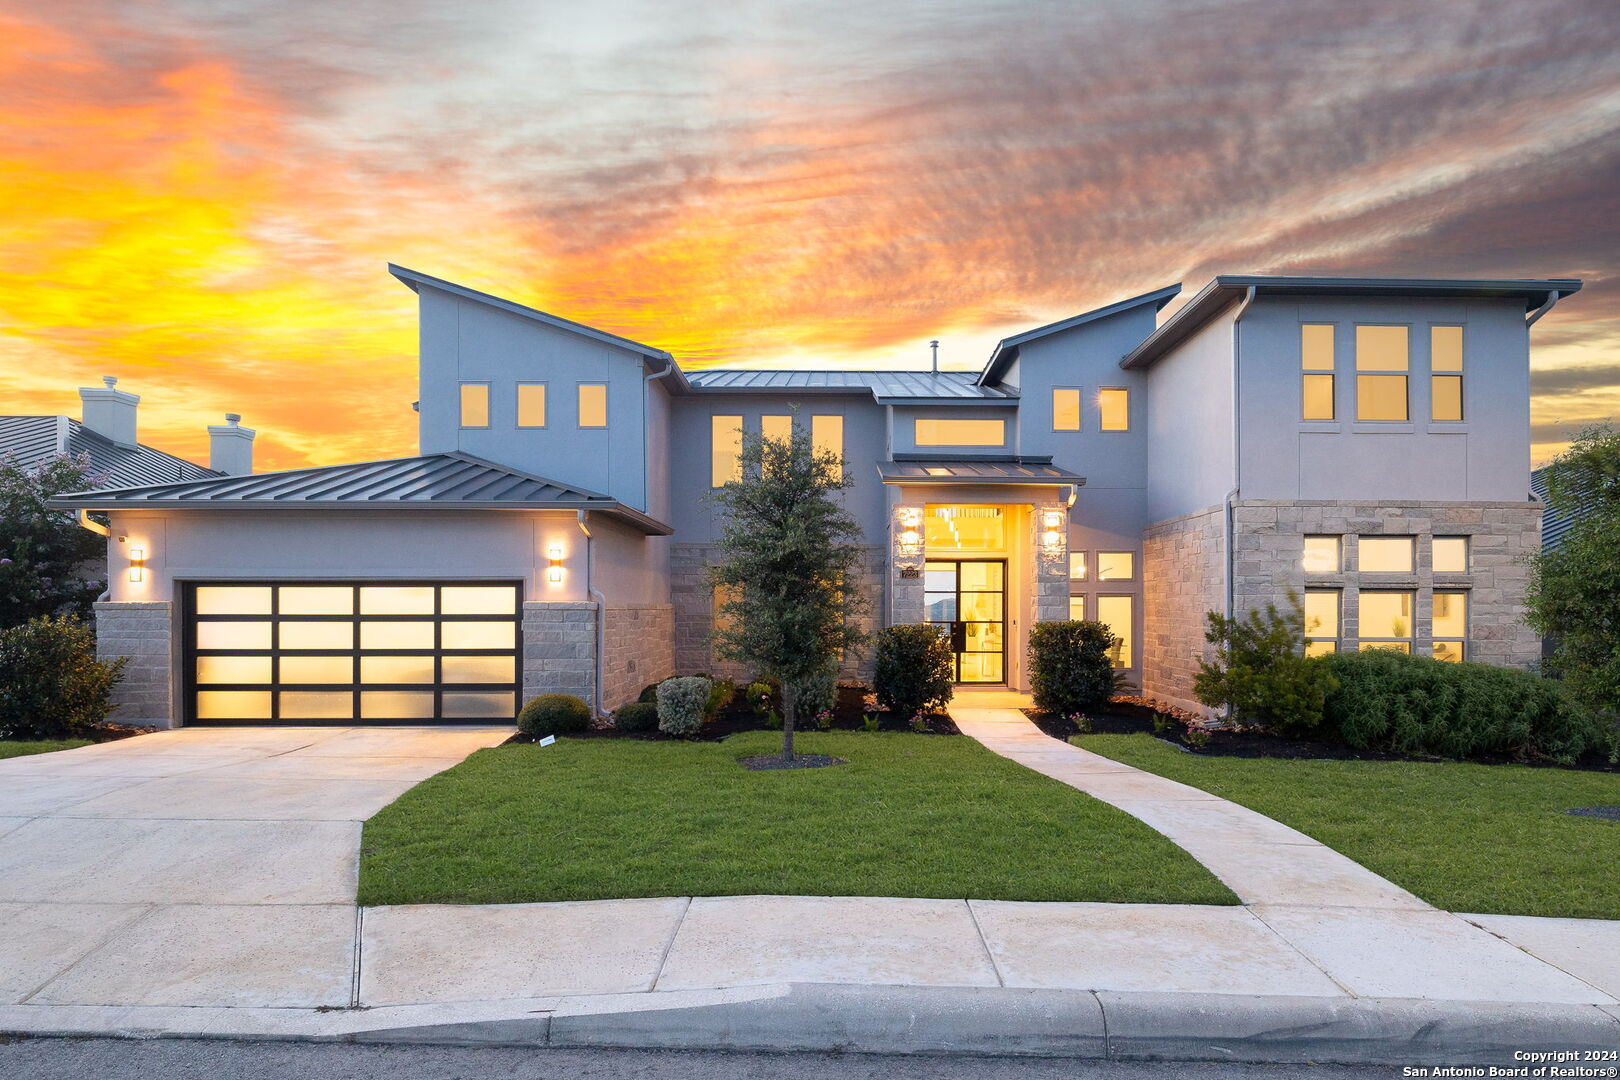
1363	441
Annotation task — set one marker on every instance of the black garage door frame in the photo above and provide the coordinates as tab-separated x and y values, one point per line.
190	651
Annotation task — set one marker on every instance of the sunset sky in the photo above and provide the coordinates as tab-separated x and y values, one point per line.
199	196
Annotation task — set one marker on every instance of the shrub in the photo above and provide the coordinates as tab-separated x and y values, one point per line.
721	691
1261	676
1071	667
682	703
764	698
914	670
51	681
649	694
1418	705
553	714
817	695
636	716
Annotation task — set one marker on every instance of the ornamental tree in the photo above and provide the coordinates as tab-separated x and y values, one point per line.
43	552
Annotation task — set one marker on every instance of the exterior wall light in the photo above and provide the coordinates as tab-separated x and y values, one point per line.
137	564
555	555
908	541
1052	536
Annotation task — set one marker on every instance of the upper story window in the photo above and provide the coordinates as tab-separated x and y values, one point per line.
1323	555
1445	373
937	432
1450	554
725	457
1382	362
1386	555
475	404
827	436
1066	408
1316	368
1114	408
531	405
777	428
593	405
1116	565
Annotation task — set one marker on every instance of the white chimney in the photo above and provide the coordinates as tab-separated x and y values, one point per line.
230	446
110	412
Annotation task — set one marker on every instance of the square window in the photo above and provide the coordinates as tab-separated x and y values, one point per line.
1386	555
1317	397
1382	348
1116	565
1446	348
1450	615
531	405
1114	405
1450	554
1066	408
593	405
475	405
1381	397
1077	566
1322	555
777	428
1386	617
1077	608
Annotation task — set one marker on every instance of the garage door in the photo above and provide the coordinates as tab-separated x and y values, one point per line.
321	652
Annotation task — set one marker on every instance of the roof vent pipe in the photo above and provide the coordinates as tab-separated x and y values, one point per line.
933	347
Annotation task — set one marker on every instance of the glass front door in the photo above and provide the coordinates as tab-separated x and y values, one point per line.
967	599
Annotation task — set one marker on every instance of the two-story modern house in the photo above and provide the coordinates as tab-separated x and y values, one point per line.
1362	441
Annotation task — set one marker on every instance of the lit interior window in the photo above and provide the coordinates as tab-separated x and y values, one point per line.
1066	409
1450	554
1386	555
1382	361
1316	365
1114	409
1077	608
1116	565
474	405
1077	566
776	428
1386	620
1321	621
827	436
1450	625
725	452
592	405
1322	555
531	405
964	528
1115	612
936	432
1446	373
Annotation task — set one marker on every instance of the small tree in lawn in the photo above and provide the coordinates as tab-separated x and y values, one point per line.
788	553
43	551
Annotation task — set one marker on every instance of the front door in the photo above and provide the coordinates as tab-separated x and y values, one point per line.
967	599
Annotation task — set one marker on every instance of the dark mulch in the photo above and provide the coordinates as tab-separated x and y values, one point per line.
1607	813
766	762
98	733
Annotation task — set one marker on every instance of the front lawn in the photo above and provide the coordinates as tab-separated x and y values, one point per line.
935	816
44	746
1487	839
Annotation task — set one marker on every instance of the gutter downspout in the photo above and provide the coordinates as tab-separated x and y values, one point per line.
646	390
83	518
1237	458
1552	298
582	518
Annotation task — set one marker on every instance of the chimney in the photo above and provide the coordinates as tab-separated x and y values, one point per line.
110	412
230	446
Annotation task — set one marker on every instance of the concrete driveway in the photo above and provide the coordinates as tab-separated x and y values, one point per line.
203	866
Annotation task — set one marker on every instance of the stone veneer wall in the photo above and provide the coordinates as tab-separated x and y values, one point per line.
559	649
1183	576
144	632
639	649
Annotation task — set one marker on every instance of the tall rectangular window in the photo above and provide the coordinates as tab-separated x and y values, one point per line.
592	405
474	404
1066	408
1386	620
827	436
724	596
725	454
931	432
776	428
1316	367
1114	408
1382	361
1450	625
1077	566
1451	554
1386	555
1323	555
1116	613
531	405
1321	621
1445	373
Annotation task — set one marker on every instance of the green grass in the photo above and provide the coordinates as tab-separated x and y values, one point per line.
44	746
910	815
1486	839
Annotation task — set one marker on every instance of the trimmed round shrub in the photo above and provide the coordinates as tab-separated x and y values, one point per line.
636	716
51	681
914	671
1071	666
553	714
682	704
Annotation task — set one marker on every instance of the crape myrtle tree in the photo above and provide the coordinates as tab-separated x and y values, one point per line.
43	552
788	551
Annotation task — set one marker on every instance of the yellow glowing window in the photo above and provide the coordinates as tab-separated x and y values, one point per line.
1381	349
317	669
233	600
592	405
1077	608
233	635
478	669
723	596
396	635
1077	566
1451	554
1316	347
395	705
233	669
1116	613
315	635
1446	348
1450	624
1321	620
776	428
1445	378
1114	409
233	705
1115	566
1386	555
317	705
1322	555
315	600
725	455
1386	620
477	600
531	405
1066	408
964	528
827	436
396	600
396	669
478	635
475	405
936	432
1316	363
463	706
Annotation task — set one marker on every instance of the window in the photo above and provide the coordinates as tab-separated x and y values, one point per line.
1115	612
1445	373
1451	554
1381	366
1322	555
1386	621
1114	405
1316	366
531	405
1116	565
725	455
827	436
1077	608
1077	566
1450	625
1321	621
592	405
961	432
724	596
1386	555
474	404
1066	408
776	428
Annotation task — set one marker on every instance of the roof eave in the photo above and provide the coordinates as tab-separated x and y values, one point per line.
1006	350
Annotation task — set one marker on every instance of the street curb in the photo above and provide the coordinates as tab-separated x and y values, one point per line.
910	1020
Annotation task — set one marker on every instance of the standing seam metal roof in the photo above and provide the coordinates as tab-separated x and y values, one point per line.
884	386
32	439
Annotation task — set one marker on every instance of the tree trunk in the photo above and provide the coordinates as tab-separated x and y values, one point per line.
790	705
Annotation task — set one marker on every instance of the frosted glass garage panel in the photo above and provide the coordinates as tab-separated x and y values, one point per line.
317	705
233	635
396	704
478	669
478	600
233	705
315	635
479	706
396	600
315	600
233	669
317	669
396	669
478	635
233	600
396	635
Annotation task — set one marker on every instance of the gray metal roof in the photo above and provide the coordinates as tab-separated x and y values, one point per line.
1228	289
1006	350
986	470
32	439
887	387
1555	523
436	481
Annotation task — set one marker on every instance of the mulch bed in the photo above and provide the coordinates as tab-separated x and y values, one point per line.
1607	813
767	762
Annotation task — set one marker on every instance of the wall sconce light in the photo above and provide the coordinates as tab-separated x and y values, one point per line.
908	541
555	555
1052	545
137	564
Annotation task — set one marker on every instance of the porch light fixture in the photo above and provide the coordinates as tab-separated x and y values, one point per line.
555	555
1052	522
137	564
909	537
